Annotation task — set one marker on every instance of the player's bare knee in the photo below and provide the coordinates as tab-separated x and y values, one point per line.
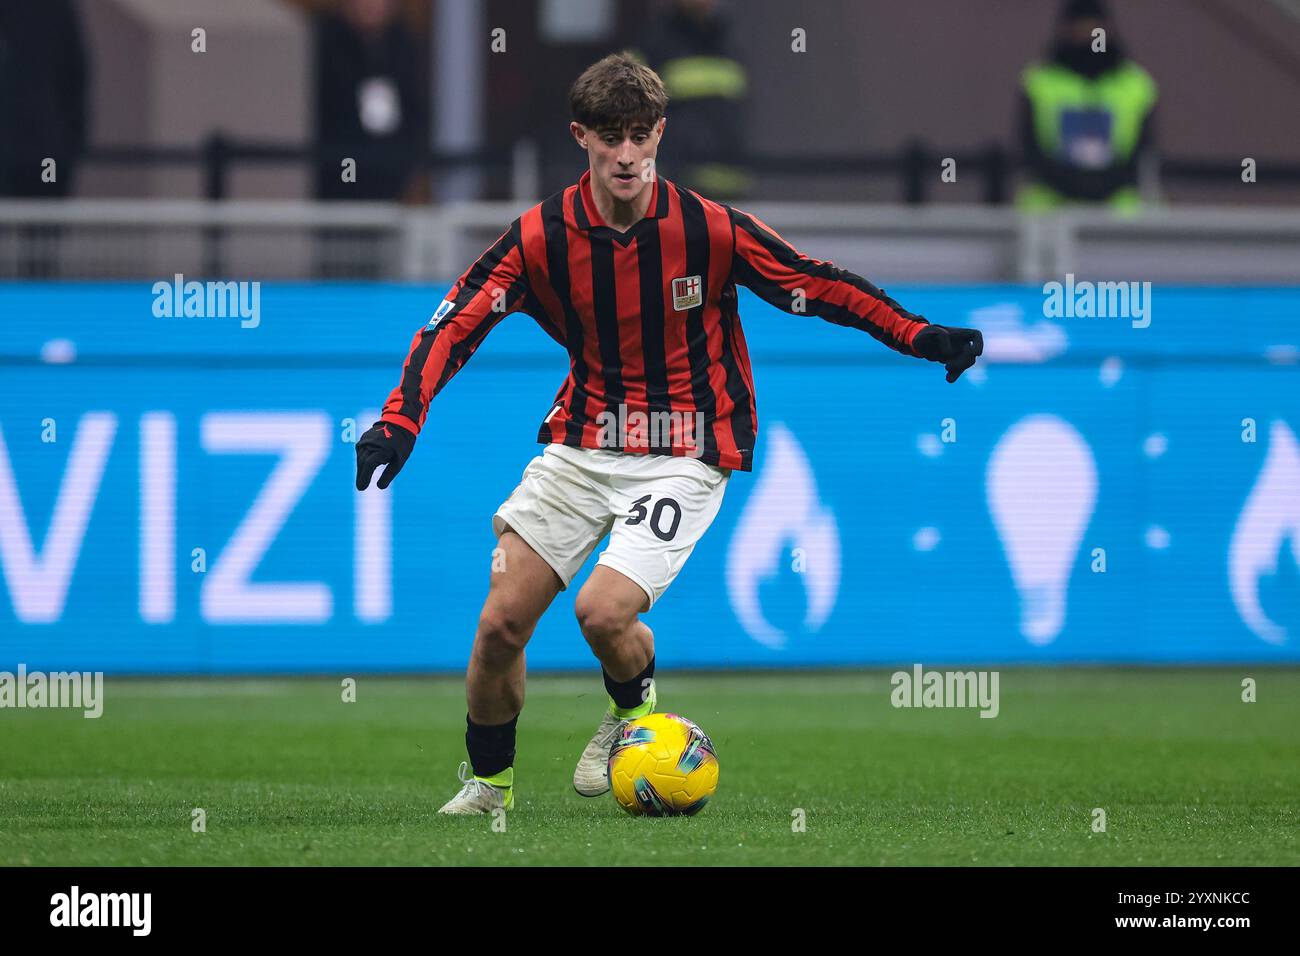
501	632
602	623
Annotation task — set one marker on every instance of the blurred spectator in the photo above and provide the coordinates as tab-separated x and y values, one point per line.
42	116
1085	116
688	46
372	103
42	96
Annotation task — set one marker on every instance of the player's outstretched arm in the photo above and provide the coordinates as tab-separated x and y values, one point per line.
796	283
489	290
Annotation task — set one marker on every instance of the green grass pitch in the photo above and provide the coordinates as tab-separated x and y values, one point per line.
287	773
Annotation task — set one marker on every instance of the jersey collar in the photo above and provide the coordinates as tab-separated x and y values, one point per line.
588	216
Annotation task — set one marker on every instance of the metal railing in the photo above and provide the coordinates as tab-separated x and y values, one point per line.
914	168
154	239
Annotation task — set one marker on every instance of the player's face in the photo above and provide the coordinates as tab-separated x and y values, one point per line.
622	160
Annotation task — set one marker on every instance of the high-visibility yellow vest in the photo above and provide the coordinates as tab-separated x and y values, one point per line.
1127	94
693	77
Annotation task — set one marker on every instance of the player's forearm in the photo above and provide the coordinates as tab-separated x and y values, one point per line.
486	292
955	348
794	282
882	317
408	403
848	299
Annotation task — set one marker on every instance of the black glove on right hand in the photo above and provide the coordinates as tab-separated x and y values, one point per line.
384	443
956	348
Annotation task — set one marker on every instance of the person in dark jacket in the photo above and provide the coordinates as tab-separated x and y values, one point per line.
42	98
372	107
42	118
372	103
689	47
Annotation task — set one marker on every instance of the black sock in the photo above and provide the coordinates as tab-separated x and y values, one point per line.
630	693
491	746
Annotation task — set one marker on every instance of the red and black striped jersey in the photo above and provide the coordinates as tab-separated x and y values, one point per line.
657	358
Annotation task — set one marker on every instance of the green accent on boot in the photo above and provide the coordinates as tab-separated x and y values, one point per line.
504	780
640	710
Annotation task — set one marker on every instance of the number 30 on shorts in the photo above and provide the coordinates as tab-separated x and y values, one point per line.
656	516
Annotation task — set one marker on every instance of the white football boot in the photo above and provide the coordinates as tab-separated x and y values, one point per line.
591	776
477	796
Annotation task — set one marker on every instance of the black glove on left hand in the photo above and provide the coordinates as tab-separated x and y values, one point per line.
383	443
955	348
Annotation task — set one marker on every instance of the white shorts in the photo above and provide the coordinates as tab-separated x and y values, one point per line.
653	507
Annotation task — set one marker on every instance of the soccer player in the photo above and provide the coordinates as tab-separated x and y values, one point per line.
636	278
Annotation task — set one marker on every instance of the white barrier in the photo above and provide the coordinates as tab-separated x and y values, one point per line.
145	239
